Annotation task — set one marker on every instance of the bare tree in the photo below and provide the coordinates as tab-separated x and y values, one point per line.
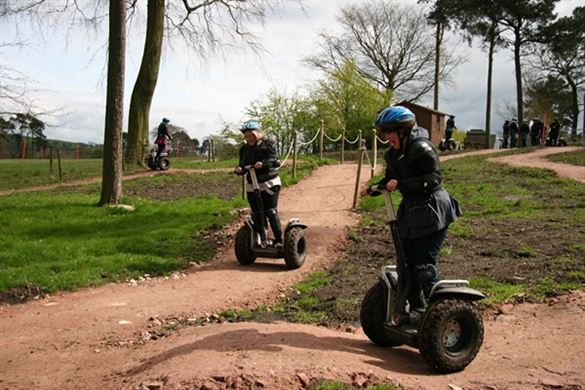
112	162
25	24
391	45
204	26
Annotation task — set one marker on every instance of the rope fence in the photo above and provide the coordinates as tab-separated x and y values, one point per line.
363	152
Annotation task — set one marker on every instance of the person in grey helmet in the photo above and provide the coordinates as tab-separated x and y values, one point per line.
260	153
427	209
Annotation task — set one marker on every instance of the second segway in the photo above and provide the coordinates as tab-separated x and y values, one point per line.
249	246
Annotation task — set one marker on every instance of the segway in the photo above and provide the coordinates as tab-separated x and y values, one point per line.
248	245
162	162
448	333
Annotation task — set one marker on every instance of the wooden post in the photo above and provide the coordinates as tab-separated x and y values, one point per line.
357	180
51	164
321	140
342	144
359	138
212	151
77	152
209	151
294	172
543	136
59	164
42	153
374	152
23	151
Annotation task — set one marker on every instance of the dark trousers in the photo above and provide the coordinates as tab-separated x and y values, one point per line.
161	148
270	203
534	139
422	251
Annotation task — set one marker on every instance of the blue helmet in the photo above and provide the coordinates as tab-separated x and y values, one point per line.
392	118
251	125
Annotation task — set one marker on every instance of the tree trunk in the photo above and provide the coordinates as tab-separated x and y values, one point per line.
138	117
112	162
488	103
574	107
438	40
519	101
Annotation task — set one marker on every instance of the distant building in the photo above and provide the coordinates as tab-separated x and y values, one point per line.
432	120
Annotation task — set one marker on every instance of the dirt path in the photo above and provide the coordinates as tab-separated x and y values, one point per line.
84	339
131	176
537	159
53	340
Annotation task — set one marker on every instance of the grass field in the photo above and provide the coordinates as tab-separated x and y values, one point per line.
16	174
60	239
573	158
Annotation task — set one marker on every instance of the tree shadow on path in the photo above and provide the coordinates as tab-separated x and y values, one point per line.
399	360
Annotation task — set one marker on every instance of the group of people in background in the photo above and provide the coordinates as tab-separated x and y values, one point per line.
515	135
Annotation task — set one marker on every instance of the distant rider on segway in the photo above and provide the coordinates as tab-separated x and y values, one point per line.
427	209
162	138
260	153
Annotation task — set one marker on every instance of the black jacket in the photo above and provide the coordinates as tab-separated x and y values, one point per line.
426	207
264	152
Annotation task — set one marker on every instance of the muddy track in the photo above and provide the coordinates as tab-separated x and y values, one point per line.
93	338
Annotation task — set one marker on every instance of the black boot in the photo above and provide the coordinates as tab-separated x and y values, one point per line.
272	215
258	226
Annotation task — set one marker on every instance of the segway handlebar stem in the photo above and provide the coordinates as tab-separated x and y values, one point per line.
390	212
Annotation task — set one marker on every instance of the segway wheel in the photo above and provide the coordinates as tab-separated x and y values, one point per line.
373	315
450	334
243	248
164	163
150	163
295	248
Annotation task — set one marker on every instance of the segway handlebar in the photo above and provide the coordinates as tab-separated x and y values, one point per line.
252	171
375	191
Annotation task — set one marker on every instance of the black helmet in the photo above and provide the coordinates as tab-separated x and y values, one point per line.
166	120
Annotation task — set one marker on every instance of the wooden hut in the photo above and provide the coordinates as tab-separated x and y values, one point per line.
432	120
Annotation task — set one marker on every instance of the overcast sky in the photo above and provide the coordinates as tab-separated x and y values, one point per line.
202	96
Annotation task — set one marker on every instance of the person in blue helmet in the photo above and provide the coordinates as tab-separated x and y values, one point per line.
261	153
427	209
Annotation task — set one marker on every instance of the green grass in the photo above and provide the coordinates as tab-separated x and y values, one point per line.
15	174
304	306
62	241
547	287
198	163
334	385
316	279
573	158
495	291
